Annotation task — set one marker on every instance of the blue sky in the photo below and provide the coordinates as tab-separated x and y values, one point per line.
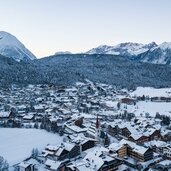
48	26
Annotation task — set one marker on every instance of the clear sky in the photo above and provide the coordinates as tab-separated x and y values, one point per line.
48	26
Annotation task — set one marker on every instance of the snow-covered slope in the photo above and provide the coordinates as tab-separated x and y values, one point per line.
151	53
11	47
158	55
123	49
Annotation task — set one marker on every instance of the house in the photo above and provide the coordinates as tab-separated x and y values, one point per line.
84	142
135	132
163	165
24	166
126	148
125	132
113	130
154	134
53	165
63	151
166	136
95	160
5	115
167	151
39	108
138	138
28	118
67	151
73	129
128	101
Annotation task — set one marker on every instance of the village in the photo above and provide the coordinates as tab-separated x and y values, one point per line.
103	127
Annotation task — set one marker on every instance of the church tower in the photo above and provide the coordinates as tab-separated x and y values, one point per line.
97	129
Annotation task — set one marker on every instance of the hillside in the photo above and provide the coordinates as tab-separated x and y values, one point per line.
69	69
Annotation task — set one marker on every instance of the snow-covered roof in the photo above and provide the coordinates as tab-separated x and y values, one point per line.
134	146
28	117
4	114
24	165
165	162
54	165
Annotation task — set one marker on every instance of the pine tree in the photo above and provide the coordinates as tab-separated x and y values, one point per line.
54	127
118	105
4	166
106	140
34	152
36	125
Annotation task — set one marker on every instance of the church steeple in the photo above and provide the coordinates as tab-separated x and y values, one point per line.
97	122
97	129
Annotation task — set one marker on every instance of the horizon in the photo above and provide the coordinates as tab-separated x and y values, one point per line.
78	26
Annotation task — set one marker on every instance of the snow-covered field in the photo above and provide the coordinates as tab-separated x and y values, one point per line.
143	107
152	92
17	144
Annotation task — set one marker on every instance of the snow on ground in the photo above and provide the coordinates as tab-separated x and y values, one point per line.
143	107
152	92
17	144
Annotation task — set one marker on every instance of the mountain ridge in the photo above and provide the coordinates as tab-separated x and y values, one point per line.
151	53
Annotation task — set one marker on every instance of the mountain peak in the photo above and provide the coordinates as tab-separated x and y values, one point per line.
151	53
165	45
11	47
123	49
8	39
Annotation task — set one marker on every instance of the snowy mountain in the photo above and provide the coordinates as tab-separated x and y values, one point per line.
123	49
62	53
11	47
151	53
160	54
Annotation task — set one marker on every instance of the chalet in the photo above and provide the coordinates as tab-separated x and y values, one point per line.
24	166
154	134
87	144
135	132
39	108
28	118
52	165
67	151
110	105
62	152
125	132
5	115
95	161
21	108
139	139
126	148
73	129
84	142
163	165
157	146
166	136
113	129
167	151
128	101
